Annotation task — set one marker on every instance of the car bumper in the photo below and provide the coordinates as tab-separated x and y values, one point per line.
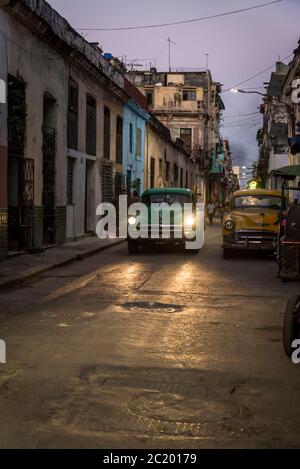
172	240
252	246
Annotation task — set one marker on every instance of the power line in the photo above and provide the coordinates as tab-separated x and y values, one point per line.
241	115
241	121
181	22
243	130
256	75
243	124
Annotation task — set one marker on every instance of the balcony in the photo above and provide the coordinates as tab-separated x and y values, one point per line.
217	167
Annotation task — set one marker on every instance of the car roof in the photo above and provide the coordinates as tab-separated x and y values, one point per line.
168	190
257	192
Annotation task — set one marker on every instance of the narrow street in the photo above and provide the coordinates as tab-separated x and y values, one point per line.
161	349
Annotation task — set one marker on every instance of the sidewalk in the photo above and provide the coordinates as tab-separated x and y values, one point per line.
21	268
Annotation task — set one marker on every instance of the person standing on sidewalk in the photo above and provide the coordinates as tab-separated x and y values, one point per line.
211	211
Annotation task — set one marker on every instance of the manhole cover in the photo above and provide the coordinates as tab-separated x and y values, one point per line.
152	306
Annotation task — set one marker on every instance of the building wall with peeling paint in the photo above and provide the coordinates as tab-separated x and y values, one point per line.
166	155
44	72
77	223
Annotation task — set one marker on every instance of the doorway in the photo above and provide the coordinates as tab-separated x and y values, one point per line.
20	171
90	208
49	180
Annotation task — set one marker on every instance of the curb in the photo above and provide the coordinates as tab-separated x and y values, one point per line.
38	270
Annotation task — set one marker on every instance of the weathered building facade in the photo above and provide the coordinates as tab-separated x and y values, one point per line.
134	141
73	131
189	105
273	137
35	110
167	164
61	147
292	98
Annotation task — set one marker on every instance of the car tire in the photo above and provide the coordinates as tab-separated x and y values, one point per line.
133	248
227	253
193	252
291	326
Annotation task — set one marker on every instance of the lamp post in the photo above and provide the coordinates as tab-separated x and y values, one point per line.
236	90
289	108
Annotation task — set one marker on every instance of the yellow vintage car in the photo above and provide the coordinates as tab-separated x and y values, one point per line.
252	222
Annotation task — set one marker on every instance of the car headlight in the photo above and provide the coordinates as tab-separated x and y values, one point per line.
229	225
190	221
132	221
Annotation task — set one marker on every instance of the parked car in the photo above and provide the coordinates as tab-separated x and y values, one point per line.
252	222
156	221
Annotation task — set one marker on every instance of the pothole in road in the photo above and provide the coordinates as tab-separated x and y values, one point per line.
181	409
139	306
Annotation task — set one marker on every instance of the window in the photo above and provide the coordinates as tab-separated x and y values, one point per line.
106	133
72	126
168	168
181	177
152	173
91	126
130	138
175	173
160	167
165	197
138	187
186	138
119	141
118	184
128	181
149	97
70	180
138	148
257	202
189	95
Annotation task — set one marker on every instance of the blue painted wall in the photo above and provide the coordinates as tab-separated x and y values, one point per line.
134	117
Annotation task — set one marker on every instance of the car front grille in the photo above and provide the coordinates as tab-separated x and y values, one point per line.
253	235
162	231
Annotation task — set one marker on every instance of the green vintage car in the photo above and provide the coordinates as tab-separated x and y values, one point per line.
160	225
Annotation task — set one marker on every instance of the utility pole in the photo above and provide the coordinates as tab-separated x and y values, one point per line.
170	42
207	55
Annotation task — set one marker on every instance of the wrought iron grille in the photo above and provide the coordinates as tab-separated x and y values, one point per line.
49	172
107	181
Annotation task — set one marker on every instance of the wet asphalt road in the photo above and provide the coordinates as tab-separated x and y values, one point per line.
156	350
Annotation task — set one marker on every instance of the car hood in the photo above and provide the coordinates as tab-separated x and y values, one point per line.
254	219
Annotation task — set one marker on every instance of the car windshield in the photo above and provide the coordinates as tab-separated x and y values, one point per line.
162	197
257	201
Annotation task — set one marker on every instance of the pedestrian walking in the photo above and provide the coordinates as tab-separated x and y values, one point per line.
211	211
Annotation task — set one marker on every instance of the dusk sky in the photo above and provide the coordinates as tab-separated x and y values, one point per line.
239	46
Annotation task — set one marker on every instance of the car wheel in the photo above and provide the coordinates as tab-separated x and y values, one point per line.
291	325
193	252
227	253
132	247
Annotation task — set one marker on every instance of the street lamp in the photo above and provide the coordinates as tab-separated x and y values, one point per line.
265	95
236	90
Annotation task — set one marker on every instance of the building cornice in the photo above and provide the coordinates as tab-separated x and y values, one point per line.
42	20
